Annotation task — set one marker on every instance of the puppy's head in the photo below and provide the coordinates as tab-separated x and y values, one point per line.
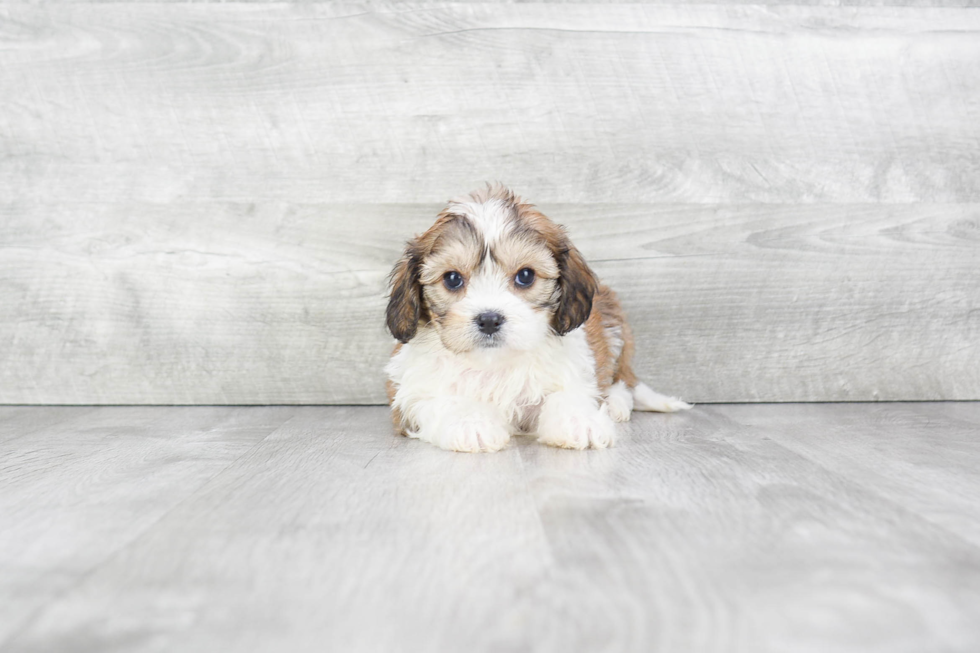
491	273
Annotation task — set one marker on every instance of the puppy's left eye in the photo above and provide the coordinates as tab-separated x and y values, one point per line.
524	278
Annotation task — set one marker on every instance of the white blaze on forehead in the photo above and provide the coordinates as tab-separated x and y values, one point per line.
494	218
489	279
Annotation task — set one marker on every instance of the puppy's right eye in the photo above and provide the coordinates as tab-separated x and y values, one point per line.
453	280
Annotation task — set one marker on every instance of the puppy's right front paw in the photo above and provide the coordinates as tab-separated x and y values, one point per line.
458	424
473	435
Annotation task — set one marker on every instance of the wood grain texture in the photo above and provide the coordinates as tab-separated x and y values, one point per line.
403	103
72	494
232	303
334	523
708	536
730	528
963	411
939	480
19	421
201	201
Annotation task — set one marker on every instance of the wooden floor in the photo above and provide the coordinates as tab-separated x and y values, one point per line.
820	527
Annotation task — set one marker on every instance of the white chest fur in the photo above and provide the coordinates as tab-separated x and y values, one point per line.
513	381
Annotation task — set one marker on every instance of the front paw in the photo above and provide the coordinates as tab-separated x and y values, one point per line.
572	422
619	402
458	424
474	434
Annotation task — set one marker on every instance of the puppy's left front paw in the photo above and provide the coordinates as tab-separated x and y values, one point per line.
575	423
619	402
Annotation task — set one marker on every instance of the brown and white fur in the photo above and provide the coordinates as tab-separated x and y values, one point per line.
553	359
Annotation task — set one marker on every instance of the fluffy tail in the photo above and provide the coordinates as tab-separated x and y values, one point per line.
646	399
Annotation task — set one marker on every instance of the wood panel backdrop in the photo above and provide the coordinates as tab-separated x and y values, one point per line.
199	203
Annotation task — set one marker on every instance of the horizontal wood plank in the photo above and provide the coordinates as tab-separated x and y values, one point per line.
279	303
412	103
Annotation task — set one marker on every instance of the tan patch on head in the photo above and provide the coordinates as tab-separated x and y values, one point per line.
418	294
526	250
576	284
457	247
406	307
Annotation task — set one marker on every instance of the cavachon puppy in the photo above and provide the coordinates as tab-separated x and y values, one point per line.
503	329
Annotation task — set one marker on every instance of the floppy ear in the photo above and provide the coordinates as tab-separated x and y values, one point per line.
405	297
577	285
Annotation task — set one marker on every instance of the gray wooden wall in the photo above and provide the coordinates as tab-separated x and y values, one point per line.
199	203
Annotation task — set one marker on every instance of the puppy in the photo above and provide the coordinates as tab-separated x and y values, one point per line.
503	329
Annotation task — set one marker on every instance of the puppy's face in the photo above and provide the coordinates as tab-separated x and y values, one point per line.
491	274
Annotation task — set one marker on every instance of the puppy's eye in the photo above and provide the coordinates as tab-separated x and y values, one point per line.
524	278
453	280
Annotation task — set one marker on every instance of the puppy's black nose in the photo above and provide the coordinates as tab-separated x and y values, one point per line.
489	322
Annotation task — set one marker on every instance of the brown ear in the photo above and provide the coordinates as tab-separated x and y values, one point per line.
577	285
405	297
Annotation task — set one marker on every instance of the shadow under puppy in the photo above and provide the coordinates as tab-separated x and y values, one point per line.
505	329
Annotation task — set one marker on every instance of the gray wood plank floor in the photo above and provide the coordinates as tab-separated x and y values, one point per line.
789	527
